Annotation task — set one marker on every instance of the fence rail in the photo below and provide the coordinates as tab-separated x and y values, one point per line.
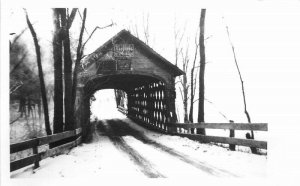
38	156
227	140
175	128
231	126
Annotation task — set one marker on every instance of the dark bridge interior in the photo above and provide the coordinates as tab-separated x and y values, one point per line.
125	82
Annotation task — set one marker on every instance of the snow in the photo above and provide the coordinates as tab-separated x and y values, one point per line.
99	158
164	155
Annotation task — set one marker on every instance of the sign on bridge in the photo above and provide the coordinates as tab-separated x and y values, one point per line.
123	51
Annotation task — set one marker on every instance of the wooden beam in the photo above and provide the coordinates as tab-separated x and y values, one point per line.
42	155
16	147
232	126
57	150
56	137
23	162
226	140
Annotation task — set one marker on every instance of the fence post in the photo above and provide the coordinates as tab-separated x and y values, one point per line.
35	152
231	134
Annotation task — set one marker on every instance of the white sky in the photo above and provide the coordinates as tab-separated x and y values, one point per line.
266	36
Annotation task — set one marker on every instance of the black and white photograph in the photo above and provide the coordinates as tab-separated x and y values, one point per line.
124	92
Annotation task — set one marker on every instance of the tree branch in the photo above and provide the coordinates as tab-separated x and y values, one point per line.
82	21
17	65
217	109
181	93
13	89
18	36
71	17
97	27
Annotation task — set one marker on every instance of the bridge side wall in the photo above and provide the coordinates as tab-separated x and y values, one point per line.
153	104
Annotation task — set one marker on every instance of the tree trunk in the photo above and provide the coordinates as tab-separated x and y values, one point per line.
77	63
58	83
22	106
202	71
41	76
185	99
193	88
39	107
191	119
67	71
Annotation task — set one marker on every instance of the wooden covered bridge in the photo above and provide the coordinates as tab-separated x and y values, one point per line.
126	63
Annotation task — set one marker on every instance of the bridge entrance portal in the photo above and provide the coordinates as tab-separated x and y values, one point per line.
132	68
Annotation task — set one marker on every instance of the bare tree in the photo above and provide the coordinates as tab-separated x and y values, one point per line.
58	80
202	71
254	150
67	69
79	55
143	32
66	21
193	82
184	81
41	75
182	59
178	36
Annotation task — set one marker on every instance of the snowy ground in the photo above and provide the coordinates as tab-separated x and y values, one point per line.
120	148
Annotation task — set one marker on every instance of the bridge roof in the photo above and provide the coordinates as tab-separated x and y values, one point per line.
124	34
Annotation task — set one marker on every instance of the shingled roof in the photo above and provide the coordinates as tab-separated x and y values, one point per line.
124	34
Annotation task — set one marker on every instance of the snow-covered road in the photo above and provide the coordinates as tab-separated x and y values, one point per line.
138	147
121	148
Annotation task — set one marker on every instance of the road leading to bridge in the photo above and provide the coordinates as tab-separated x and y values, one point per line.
117	129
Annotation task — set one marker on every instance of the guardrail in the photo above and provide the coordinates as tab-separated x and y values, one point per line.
175	128
36	142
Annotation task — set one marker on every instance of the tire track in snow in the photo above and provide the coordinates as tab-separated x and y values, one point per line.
114	135
124	129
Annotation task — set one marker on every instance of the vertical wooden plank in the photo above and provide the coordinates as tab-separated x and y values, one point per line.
231	134
37	159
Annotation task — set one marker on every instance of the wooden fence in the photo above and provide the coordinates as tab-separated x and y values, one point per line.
36	142
176	128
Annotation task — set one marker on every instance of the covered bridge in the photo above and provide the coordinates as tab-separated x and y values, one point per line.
126	63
